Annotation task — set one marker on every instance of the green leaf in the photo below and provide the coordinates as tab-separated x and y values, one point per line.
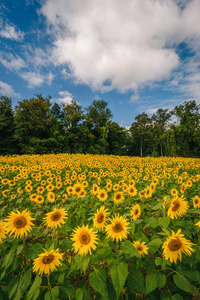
52	294
97	280
165	296
118	273
82	294
136	282
18	285
85	262
154	280
127	247
19	249
8	259
36	283
158	206
182	283
33	251
66	245
164	222
67	289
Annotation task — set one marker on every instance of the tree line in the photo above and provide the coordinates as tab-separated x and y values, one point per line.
36	126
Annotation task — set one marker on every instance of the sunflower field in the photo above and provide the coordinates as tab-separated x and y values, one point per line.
83	227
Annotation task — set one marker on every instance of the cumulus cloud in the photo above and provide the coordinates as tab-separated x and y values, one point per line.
112	45
65	97
6	89
11	32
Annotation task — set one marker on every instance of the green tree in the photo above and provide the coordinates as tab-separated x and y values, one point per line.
7	127
188	129
160	121
116	139
33	122
98	118
73	118
140	130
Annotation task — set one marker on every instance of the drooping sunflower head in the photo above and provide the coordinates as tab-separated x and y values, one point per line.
196	202
135	212
118	229
55	218
100	217
84	239
177	208
141	247
47	262
175	245
19	223
2	230
118	197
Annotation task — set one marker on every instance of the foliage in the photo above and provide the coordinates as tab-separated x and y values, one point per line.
110	268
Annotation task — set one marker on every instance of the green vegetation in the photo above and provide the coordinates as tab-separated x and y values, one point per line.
35	126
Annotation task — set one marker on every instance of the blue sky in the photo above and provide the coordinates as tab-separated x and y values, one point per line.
137	55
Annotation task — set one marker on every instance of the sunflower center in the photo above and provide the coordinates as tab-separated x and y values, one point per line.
20	222
118	197
85	238
176	206
196	201
136	212
100	218
139	248
174	245
117	228
56	216
47	259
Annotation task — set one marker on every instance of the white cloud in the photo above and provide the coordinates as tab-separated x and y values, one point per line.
65	97
11	62
36	79
33	79
10	32
111	45
7	90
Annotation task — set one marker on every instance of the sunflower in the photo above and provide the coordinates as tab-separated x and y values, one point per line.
84	239
177	208
132	191
175	245
47	262
135	212
39	199
118	229
78	189
55	218
148	192
19	223
196	201
95	189
100	217
51	197
174	192
70	190
141	247
2	230
102	195
118	197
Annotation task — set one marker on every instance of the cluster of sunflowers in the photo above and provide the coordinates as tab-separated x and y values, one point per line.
133	206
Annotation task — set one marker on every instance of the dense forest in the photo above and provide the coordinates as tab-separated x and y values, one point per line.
37	126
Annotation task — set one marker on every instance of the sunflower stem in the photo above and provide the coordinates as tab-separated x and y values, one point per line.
49	285
117	249
24	248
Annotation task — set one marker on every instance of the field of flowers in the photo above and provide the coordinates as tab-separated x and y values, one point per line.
84	227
